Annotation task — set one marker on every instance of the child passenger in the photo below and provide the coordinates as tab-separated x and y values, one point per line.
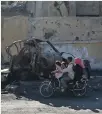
58	72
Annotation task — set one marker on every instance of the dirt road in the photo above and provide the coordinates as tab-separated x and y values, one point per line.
33	103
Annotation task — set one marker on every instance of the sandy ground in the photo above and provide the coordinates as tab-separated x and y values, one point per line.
33	103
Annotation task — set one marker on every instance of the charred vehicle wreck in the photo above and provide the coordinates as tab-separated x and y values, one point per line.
31	62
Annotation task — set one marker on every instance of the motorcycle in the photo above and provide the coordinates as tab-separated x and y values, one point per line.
49	87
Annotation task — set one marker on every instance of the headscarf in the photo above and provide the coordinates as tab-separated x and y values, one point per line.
79	62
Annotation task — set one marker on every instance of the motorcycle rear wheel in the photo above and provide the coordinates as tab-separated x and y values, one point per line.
79	92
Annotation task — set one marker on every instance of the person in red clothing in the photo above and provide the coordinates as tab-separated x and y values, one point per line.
79	62
79	69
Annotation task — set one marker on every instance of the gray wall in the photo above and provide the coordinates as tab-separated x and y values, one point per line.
87	8
69	29
47	9
66	30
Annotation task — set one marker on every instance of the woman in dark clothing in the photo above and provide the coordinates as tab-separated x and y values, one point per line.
78	72
78	69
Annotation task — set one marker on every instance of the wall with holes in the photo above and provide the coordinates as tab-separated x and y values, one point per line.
68	29
68	33
73	34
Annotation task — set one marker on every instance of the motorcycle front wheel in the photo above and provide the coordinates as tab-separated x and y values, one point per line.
46	90
80	91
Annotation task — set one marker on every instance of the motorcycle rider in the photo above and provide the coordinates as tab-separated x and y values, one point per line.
64	63
57	72
68	73
78	69
59	66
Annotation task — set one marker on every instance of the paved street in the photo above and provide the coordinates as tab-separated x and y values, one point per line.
61	103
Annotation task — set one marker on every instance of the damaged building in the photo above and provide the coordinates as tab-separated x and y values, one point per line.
72	26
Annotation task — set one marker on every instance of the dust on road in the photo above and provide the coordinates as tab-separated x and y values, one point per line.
59	104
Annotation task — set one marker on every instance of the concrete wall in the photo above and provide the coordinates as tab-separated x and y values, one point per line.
14	28
47	8
75	35
87	8
69	29
100	7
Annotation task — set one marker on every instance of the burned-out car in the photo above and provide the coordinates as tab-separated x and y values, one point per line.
32	62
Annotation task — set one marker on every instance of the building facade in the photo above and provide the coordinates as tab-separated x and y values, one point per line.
74	26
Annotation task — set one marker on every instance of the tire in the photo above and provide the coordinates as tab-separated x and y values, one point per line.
44	86
79	92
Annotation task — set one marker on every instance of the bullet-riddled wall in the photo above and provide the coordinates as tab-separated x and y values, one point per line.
79	34
69	28
73	33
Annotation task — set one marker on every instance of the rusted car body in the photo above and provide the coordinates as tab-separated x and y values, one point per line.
31	62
